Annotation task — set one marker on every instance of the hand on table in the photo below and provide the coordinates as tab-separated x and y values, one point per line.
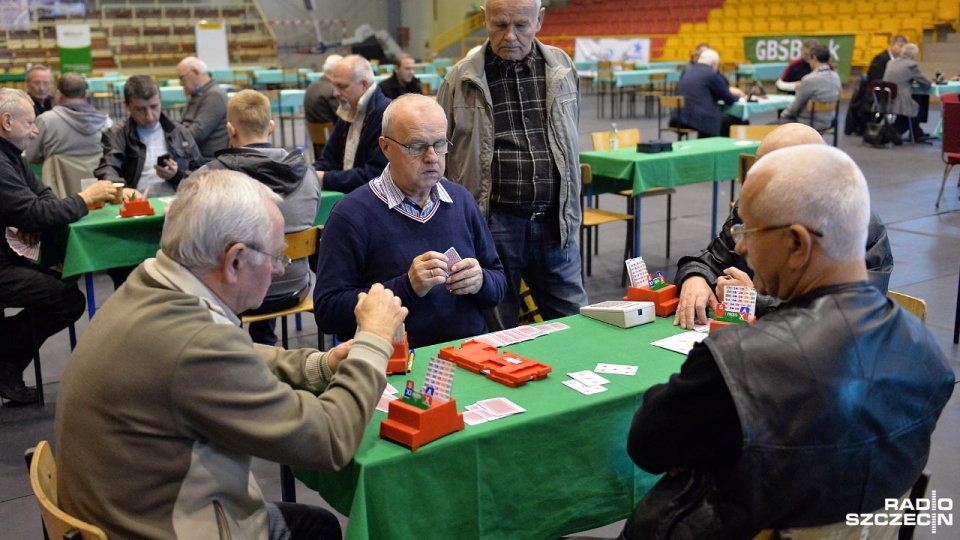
378	311
695	297
427	271
732	276
466	277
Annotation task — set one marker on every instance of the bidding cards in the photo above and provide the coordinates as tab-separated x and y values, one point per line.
637	269
438	381
740	299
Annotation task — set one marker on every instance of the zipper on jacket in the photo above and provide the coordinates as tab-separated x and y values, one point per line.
223	524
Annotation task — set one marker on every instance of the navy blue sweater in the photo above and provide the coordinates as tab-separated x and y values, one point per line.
365	243
369	160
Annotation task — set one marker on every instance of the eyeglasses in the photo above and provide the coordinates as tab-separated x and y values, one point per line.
738	231
418	149
282	258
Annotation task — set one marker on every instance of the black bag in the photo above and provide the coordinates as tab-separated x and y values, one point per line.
678	507
878	132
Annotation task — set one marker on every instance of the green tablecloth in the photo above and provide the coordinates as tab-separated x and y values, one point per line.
101	240
743	109
691	162
558	468
769	71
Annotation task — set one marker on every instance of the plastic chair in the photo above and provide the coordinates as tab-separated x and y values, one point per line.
669	103
594	217
629	138
829	107
914	305
43	479
950	151
319	133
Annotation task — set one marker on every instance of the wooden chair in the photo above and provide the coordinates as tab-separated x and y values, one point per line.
43	479
594	217
299	245
826	107
319	133
629	138
670	103
749	132
746	161
917	306
950	151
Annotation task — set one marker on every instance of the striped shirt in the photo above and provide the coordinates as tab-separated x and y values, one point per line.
388	192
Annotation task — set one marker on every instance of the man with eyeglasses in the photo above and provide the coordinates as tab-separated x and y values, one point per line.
287	174
719	265
166	400
397	230
820	410
352	155
205	113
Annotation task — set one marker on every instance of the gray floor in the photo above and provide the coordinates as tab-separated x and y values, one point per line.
903	181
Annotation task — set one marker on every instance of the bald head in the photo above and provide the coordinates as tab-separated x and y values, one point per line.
788	135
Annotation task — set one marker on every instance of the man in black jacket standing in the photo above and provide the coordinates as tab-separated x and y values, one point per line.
28	209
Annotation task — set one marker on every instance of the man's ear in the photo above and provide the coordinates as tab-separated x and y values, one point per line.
231	131
233	261
801	247
383	144
271	127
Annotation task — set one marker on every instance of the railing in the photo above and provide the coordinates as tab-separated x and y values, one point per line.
457	34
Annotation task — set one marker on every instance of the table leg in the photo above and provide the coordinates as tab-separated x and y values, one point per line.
91	299
636	225
713	220
956	319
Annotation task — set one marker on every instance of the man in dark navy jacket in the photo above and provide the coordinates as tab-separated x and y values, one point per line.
702	87
352	156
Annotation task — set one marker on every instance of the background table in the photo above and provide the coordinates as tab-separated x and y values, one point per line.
769	71
714	159
558	468
742	109
101	240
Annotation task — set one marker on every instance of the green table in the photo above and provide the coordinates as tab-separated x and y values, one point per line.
769	71
558	468
101	240
742	109
702	160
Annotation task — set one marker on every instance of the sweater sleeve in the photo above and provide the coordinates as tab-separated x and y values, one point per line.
29	205
243	405
370	159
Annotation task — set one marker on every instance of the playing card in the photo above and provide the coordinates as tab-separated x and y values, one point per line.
472	418
588	378
501	406
452	257
384	402
552	327
583	388
390	390
616	369
480	411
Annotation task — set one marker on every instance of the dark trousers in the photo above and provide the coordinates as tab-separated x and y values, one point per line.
53	304
301	521
265	332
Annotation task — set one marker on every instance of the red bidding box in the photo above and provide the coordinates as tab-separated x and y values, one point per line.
480	357
139	207
414	427
399	359
664	299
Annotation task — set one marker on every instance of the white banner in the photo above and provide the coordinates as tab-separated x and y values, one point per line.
636	50
212	44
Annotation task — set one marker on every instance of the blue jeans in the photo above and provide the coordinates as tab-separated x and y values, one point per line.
532	250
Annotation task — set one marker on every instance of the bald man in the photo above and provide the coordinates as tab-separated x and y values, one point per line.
817	411
698	277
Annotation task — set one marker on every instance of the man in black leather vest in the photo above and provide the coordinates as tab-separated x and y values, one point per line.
698	276
823	407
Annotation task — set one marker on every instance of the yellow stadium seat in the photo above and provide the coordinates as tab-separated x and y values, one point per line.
812	25
778	25
777	10
845	8
885	7
761	12
795	25
747	26
810	9
746	10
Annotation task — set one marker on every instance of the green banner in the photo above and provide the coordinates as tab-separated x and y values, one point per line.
784	48
73	41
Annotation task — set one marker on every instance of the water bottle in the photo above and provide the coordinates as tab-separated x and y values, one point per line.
614	138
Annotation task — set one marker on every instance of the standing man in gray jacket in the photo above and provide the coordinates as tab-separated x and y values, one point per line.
205	115
512	112
73	127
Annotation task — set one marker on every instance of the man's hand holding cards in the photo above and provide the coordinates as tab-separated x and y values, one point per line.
466	276
427	271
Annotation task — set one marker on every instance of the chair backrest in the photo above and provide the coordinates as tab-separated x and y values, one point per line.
671	102
626	138
62	173
43	480
950	112
301	244
914	305
748	132
823	107
746	161
586	174
319	132
950	98
883	94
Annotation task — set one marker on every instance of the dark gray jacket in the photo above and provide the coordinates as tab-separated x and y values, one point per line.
205	117
124	154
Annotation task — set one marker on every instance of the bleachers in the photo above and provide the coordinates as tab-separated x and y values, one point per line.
676	26
132	35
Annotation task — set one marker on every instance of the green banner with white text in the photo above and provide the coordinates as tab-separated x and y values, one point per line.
786	47
74	42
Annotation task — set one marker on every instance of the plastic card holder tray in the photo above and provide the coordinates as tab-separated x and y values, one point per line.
507	368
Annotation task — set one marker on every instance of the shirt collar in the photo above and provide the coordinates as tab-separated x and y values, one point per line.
173	275
384	185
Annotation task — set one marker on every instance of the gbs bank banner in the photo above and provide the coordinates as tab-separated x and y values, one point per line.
785	48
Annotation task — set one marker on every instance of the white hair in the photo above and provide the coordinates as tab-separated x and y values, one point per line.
709	57
14	101
360	67
911	51
192	62
331	61
819	187
486	4
212	211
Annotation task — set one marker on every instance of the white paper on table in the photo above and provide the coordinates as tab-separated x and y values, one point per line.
681	343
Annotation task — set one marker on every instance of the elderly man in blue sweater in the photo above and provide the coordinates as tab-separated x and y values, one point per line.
397	230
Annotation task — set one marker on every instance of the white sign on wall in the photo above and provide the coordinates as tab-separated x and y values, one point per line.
636	50
212	44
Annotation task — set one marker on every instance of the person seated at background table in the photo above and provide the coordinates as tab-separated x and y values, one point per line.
904	71
33	210
822	409
822	84
319	105
694	57
797	69
73	127
205	113
395	230
402	81
352	157
132	148
166	400
287	174
698	276
878	66
39	82
702	87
